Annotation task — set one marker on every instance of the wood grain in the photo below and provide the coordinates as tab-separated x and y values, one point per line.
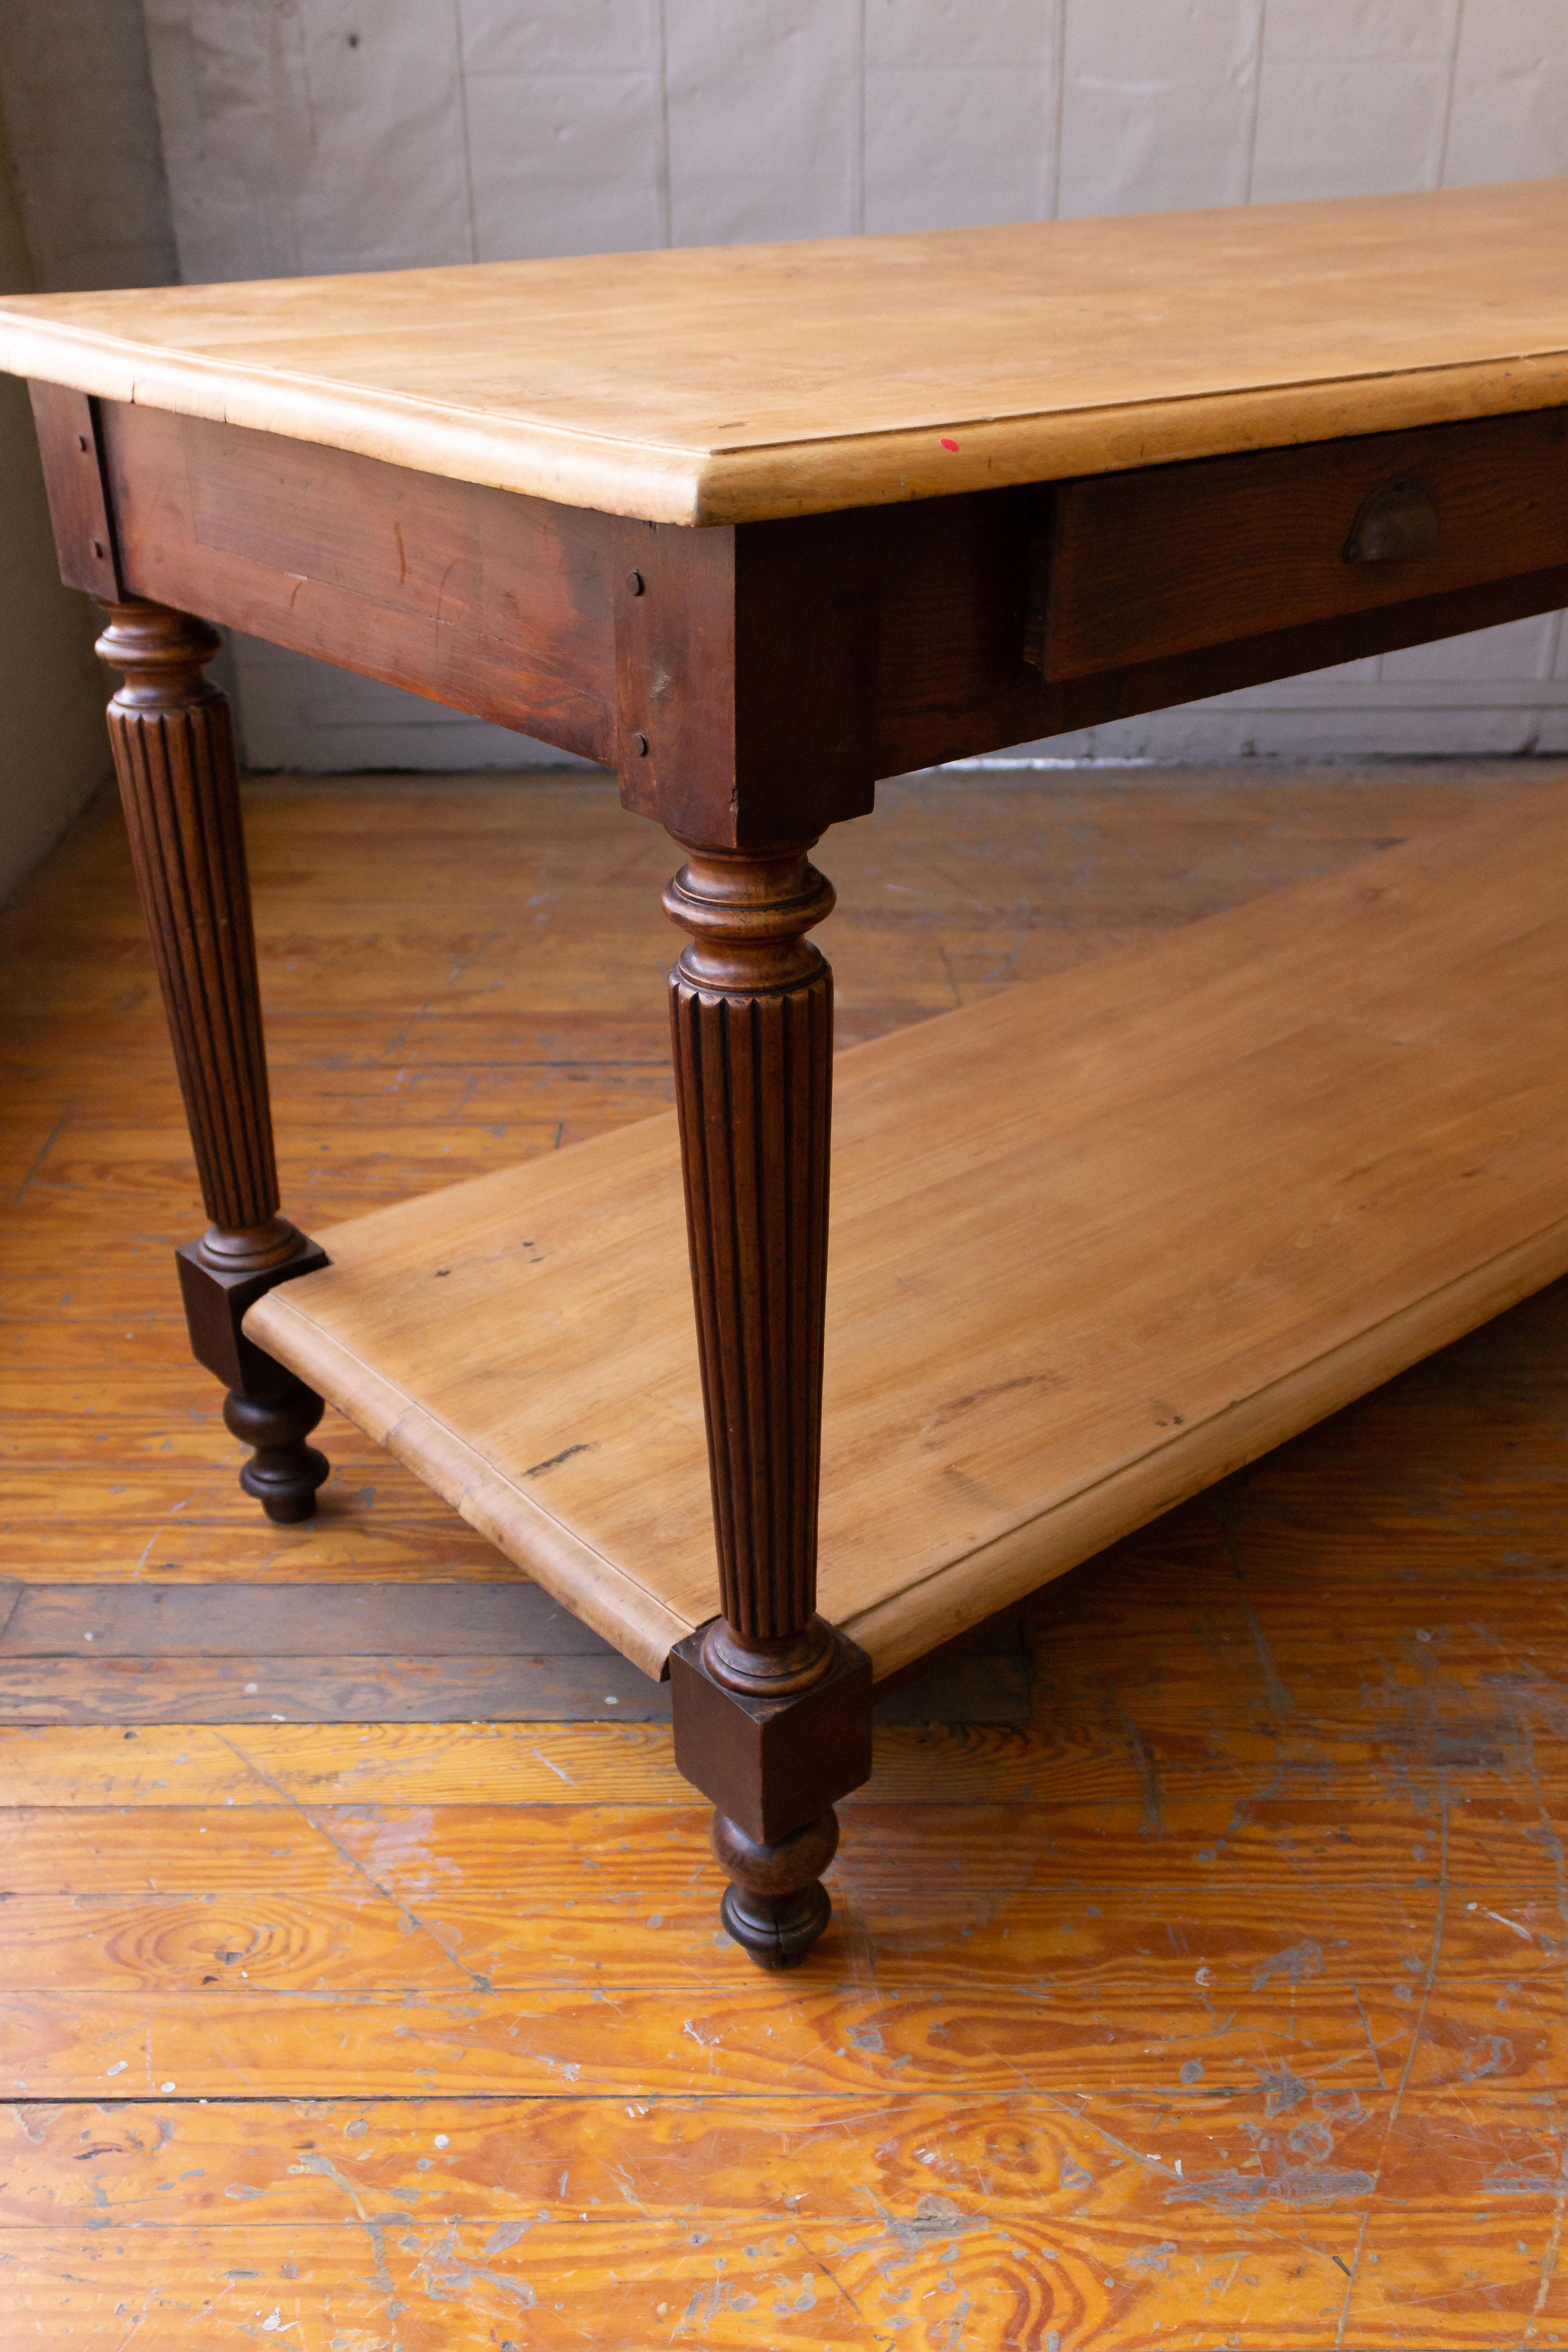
733	383
512	1764
844	646
70	446
1013	2157
346	1687
845	2287
1051	1845
450	1620
174	748
447	1015
499	604
179	786
618	2038
1349	1172
453	1903
436	1652
1144	566
751	1026
1299	1726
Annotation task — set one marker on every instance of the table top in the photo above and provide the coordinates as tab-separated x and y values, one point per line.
734	384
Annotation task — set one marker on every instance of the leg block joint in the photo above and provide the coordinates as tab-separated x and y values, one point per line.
773	1765
217	1302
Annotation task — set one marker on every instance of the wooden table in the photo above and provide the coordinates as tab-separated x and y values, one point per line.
755	526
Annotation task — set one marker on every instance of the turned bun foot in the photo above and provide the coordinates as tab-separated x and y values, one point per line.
285	1472
775	1906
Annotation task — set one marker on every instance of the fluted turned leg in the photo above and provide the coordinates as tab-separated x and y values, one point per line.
772	1706
174	756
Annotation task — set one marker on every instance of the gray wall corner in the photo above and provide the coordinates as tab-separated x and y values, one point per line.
83	203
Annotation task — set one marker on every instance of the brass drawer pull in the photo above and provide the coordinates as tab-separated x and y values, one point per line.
1396	522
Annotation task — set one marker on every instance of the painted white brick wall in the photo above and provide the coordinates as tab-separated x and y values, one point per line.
319	135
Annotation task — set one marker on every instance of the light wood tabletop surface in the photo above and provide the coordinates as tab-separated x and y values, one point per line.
731	384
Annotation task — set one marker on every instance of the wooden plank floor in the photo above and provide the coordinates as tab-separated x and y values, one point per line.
1220	2002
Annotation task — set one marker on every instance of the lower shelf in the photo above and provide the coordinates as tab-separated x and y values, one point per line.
1094	1244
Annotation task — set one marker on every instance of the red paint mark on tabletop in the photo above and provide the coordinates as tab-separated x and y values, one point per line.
949	444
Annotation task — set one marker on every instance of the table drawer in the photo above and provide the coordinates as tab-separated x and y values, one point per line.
1132	567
